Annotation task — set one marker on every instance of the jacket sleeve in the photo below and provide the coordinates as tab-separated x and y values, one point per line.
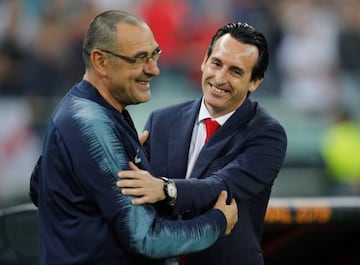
34	183
96	159
244	172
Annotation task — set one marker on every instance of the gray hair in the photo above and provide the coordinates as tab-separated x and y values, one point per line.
102	31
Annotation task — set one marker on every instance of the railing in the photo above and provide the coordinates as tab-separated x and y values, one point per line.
312	231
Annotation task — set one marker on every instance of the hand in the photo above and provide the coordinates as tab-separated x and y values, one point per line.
143	137
230	211
142	184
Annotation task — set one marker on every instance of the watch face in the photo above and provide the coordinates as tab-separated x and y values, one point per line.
172	190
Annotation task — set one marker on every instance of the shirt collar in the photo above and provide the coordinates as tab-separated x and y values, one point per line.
204	114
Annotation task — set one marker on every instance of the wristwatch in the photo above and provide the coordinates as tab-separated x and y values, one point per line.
170	191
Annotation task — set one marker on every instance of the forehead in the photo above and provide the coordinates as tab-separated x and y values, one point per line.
229	49
135	38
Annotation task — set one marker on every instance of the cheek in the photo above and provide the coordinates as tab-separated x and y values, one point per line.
240	91
203	82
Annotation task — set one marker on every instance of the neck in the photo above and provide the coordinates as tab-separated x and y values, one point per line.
218	112
103	91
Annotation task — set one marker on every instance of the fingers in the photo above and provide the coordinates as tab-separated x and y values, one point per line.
135	192
143	137
221	200
133	166
222	196
141	200
127	174
128	183
143	195
134	172
134	179
229	210
142	184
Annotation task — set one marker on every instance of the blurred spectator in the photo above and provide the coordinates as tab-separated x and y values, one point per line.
131	6
349	42
341	154
19	148
17	24
42	66
10	75
308	56
19	21
349	49
168	20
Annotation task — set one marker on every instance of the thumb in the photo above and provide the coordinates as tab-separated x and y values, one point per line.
133	166
223	196
143	137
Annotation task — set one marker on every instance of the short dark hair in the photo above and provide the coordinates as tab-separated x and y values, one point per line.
245	33
102	31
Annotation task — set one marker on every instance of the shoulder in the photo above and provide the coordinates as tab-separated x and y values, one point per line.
262	115
76	110
177	107
263	121
77	117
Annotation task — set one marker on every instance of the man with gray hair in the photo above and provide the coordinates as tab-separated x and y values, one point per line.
84	219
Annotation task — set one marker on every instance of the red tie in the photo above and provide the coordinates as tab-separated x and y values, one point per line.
211	127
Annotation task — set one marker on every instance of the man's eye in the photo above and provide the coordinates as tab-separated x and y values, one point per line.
237	73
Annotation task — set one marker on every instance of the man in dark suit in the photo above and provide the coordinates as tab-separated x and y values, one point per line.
83	218
243	156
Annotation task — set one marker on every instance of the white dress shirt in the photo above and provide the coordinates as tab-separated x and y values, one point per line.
199	135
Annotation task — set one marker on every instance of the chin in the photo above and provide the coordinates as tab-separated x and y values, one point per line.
145	99
214	101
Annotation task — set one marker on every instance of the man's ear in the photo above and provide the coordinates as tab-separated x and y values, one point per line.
99	61
203	62
255	84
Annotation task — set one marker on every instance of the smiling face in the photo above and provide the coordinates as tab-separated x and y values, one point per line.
119	81
226	75
130	83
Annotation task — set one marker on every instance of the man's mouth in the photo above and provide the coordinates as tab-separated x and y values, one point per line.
218	90
143	82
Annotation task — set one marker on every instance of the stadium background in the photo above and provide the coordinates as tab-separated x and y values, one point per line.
314	73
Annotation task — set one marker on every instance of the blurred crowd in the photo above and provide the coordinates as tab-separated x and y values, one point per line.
314	47
314	43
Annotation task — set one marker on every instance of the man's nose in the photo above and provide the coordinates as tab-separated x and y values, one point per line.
151	67
220	77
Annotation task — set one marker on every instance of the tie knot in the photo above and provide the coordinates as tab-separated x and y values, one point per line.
211	127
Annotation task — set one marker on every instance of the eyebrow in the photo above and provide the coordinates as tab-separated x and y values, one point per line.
233	67
142	53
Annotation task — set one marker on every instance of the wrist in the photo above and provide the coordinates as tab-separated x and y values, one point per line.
170	191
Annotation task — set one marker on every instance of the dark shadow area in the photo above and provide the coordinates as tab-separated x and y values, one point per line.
19	235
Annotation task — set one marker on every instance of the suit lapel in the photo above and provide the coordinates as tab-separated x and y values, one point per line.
180	137
221	138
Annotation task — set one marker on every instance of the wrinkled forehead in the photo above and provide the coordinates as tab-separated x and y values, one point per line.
135	38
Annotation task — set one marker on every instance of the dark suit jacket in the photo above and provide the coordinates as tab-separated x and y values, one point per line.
83	217
244	156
